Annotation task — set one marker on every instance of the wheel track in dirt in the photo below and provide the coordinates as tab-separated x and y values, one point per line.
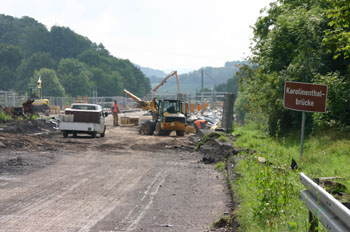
133	184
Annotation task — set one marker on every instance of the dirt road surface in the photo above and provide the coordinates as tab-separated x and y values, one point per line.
122	182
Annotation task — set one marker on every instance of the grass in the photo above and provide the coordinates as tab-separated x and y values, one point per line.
4	117
269	193
220	166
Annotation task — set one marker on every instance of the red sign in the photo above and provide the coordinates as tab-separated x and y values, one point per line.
305	96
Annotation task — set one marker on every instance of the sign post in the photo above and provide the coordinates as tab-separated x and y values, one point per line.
305	97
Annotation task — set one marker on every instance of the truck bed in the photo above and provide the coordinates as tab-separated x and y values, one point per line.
84	116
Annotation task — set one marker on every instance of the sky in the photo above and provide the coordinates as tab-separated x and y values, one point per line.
160	34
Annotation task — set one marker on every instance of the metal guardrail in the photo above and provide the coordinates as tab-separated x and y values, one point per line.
331	213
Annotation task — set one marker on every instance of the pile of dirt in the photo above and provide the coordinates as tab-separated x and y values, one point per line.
214	150
26	127
17	141
18	163
13	165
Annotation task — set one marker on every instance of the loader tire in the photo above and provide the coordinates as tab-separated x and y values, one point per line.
180	133
148	127
159	131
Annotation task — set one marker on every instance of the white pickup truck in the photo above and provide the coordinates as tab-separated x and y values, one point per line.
83	118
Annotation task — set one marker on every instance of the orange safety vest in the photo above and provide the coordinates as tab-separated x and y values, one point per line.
199	123
116	108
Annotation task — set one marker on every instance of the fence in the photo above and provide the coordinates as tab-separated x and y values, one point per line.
324	207
196	101
12	99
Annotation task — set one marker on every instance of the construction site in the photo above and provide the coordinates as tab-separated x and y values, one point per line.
71	168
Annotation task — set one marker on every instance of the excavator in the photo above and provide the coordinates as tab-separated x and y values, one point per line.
166	114
39	104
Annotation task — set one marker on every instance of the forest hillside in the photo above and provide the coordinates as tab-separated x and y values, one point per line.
69	64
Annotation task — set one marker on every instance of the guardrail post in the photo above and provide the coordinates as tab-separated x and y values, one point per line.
313	221
333	215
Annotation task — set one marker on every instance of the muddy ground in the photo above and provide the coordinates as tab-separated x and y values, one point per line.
122	182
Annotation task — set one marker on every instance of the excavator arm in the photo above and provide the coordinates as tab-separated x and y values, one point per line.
145	105
173	73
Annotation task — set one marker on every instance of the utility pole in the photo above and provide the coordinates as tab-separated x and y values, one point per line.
202	103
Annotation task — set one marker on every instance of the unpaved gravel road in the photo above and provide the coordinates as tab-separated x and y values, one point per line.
122	182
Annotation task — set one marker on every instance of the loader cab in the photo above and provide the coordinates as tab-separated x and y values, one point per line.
169	107
170	110
34	93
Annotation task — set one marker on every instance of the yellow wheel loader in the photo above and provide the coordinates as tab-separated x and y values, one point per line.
166	114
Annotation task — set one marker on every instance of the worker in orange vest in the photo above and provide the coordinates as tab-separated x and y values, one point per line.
115	111
200	124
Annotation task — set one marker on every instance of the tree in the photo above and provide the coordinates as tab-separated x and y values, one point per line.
27	67
41	48
66	43
10	58
337	37
288	46
75	77
50	84
107	84
231	85
7	78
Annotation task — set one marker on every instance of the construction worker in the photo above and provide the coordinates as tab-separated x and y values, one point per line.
115	112
199	124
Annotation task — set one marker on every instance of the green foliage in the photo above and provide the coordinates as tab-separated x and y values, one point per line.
28	66
75	77
269	192
223	138
337	114
7	78
66	43
27	46
337	37
10	58
220	166
288	47
51	86
200	143
4	117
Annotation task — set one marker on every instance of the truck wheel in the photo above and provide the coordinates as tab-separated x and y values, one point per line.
148	127
103	133
93	134
65	134
74	134
180	133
